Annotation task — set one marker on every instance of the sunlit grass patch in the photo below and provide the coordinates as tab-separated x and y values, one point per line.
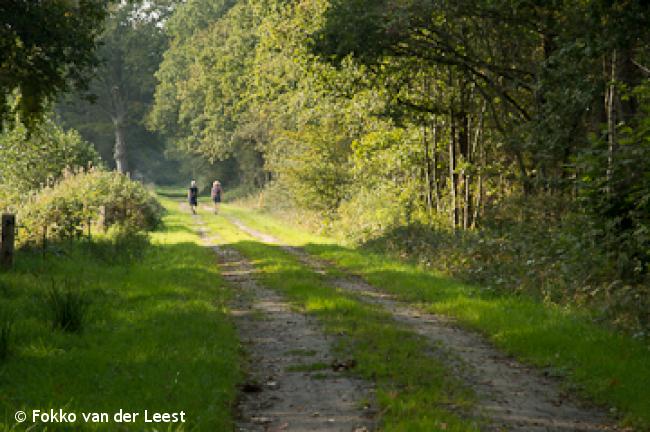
607	367
319	304
155	336
416	385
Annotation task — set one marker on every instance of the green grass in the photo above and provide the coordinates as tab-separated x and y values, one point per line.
172	191
156	335
610	368
412	387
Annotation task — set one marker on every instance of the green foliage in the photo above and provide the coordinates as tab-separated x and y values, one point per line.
67	306
177	105
45	48
202	96
619	200
600	362
317	169
132	44
385	193
33	158
473	135
201	93
66	209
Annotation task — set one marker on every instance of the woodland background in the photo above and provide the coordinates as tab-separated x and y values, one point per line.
504	142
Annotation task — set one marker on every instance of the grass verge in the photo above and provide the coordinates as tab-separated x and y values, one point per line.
412	387
155	337
607	367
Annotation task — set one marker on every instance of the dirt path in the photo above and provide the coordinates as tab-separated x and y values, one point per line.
289	384
514	396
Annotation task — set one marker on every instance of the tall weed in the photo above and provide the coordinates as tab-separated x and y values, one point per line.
67	306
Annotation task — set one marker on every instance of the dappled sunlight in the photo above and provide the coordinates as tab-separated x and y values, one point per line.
329	304
447	203
538	333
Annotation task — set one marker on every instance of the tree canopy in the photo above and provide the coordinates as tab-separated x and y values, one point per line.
379	114
45	48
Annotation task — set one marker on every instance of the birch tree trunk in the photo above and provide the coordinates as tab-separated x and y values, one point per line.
434	163
118	116
479	151
119	151
611	122
427	170
453	177
465	153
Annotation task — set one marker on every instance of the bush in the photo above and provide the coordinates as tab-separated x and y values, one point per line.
67	307
370	212
538	246
387	189
33	158
101	197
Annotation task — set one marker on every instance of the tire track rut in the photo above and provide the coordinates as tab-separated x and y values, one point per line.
280	394
513	396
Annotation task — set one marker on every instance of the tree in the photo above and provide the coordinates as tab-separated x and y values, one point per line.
33	158
201	98
131	51
45	48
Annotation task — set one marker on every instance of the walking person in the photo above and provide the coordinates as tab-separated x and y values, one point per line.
193	196
216	195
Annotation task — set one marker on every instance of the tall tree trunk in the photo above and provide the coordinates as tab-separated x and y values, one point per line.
523	172
453	176
119	113
465	153
611	122
427	169
119	151
479	150
427	155
434	162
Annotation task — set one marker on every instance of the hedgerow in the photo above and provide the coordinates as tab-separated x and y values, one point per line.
84	200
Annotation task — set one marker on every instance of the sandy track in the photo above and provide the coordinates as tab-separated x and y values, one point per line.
513	396
279	394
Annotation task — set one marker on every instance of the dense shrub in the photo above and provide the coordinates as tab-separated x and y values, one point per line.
619	202
96	196
537	246
33	158
386	191
370	212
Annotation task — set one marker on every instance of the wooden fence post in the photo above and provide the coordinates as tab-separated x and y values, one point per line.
7	242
